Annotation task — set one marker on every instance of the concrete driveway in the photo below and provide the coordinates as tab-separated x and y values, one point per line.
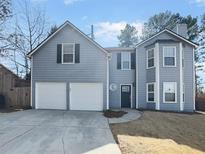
55	132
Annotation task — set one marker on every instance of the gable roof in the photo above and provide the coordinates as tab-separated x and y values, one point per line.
59	29
172	33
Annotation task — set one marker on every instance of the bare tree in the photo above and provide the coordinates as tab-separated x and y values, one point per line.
5	14
31	28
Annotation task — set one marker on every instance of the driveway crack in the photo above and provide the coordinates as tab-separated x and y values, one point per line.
17	137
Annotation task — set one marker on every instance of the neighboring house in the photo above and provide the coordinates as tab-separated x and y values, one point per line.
14	91
71	71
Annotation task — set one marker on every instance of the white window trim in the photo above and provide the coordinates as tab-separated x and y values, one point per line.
150	58
148	92
73	53
169	102
122	62
175	57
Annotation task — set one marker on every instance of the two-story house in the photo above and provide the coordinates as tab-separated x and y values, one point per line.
71	71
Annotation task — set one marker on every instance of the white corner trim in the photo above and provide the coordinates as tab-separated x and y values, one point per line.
181	76
31	92
194	80
136	83
157	77
108	84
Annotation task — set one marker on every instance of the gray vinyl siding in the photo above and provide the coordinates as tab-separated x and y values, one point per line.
146	75
165	74
150	75
141	76
92	66
189	78
119	77
151	106
169	74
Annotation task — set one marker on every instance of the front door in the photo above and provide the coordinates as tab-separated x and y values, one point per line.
126	96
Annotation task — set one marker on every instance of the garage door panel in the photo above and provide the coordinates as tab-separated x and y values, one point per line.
50	95
86	96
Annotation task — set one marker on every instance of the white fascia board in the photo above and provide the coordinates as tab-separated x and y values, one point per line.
61	27
170	32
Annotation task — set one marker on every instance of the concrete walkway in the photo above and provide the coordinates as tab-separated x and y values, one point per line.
131	115
55	132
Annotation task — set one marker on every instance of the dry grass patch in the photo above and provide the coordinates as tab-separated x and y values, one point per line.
160	132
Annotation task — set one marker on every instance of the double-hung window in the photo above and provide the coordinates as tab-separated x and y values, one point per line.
150	92
68	53
169	56
170	92
150	58
125	60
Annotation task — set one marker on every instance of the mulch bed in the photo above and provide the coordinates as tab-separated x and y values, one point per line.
114	114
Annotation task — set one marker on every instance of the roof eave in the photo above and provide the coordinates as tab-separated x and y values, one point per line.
169	31
61	27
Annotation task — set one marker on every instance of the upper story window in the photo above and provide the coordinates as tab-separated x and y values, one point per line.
150	92
68	53
169	92
150	58
169	56
125	61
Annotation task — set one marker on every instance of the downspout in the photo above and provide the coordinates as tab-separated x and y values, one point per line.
31	92
157	76
194	81
181	77
136	80
108	80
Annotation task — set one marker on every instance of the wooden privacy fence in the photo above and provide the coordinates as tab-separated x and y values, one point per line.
14	90
18	97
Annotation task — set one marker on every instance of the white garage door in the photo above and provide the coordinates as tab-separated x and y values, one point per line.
50	95
86	96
